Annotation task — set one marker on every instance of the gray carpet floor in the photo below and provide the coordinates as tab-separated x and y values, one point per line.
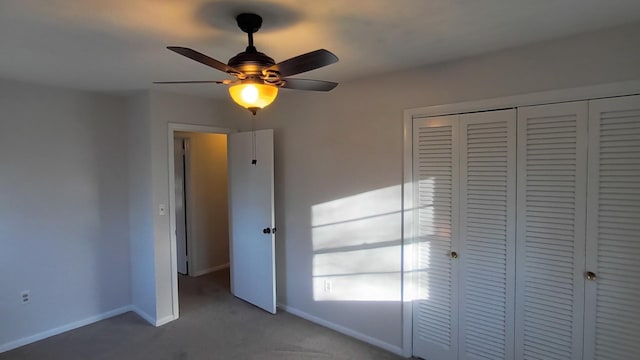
212	325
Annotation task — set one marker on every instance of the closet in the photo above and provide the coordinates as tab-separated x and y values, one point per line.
527	232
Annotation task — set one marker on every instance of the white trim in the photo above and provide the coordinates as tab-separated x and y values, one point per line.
150	319
171	128
146	317
343	330
64	328
211	269
164	320
546	97
200	128
407	238
616	89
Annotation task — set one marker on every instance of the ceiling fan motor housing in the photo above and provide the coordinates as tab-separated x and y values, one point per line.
251	63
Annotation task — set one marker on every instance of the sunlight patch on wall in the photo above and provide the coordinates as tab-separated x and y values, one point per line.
426	227
426	208
357	247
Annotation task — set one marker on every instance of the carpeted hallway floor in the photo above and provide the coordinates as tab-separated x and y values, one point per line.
212	325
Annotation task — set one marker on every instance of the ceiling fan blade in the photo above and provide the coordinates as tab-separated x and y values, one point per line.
203	59
194	82
307	84
305	62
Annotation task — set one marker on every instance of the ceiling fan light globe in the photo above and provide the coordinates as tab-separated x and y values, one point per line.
249	94
252	95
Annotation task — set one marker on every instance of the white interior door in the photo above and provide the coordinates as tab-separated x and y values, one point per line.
612	315
180	204
487	234
251	220
435	169
551	220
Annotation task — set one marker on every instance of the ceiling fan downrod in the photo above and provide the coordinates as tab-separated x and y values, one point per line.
249	23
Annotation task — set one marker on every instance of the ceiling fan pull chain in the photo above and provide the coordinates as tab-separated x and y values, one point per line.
253	142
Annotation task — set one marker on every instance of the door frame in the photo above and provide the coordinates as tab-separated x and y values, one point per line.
172	128
409	282
187	200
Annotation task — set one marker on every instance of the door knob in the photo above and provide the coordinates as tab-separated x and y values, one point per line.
454	255
266	231
591	276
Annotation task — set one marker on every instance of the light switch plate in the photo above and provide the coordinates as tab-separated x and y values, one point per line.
162	210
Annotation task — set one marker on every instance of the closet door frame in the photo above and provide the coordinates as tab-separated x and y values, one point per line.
409	115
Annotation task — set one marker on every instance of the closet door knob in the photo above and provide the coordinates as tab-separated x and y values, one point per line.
590	276
454	255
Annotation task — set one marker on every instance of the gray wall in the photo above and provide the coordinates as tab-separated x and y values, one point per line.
339	167
143	289
64	226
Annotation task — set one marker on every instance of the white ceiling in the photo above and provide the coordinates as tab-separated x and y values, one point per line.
119	45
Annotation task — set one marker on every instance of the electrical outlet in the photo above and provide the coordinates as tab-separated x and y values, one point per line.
25	297
327	286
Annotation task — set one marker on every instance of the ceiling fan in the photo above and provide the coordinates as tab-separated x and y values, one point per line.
258	77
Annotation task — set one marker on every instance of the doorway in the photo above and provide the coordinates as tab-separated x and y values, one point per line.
251	229
201	206
201	202
198	204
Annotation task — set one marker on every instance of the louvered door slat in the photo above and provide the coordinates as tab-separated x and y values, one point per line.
435	154
550	233
612	314
487	251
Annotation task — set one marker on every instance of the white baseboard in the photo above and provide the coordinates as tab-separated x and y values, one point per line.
152	320
64	328
210	270
148	318
344	330
90	320
164	320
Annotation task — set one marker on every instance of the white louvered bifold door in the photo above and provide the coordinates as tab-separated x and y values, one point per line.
551	212
612	309
435	169
487	234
